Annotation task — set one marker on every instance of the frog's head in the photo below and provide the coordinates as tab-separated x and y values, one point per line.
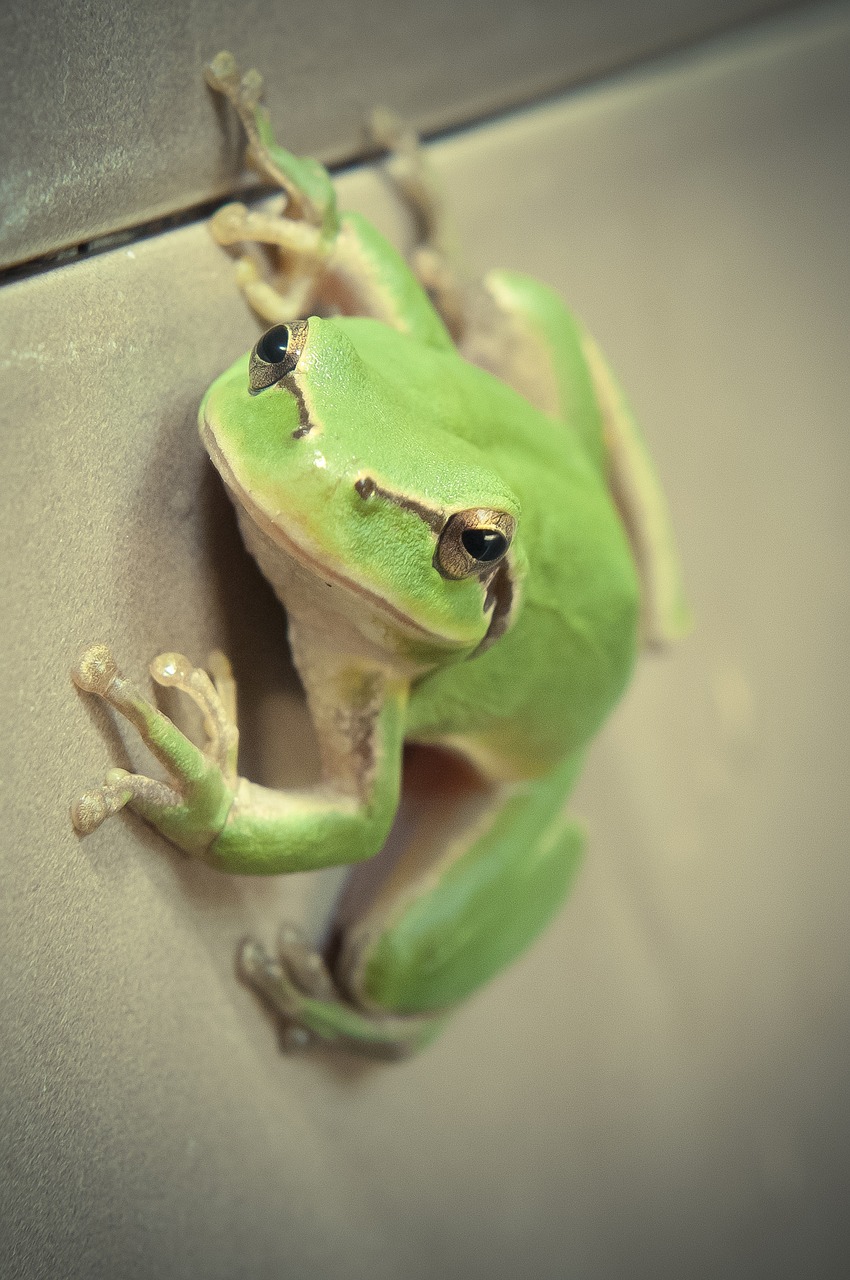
342	463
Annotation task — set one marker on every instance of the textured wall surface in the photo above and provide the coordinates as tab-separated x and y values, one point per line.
658	1089
107	122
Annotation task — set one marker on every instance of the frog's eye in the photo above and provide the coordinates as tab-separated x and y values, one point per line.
275	355
472	541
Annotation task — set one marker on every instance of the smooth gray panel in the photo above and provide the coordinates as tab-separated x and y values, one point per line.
106	122
658	1090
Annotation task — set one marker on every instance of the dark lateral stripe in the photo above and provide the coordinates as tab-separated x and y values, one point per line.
434	517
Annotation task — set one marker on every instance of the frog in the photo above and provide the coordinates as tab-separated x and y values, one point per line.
447	490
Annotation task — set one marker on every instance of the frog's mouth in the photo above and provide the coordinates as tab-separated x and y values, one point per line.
262	535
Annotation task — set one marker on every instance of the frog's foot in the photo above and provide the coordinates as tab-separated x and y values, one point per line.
235	223
244	91
434	250
299	988
283	291
192	807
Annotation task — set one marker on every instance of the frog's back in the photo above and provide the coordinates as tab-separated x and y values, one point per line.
541	690
447	394
522	332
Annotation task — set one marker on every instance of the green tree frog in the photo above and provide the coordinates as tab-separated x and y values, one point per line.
446	489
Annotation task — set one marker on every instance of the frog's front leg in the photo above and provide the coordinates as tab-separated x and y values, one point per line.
233	824
473	888
320	260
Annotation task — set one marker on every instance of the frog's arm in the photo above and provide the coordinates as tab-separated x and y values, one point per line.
321	259
544	351
308	187
233	824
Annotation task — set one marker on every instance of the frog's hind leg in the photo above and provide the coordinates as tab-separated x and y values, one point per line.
457	906
433	253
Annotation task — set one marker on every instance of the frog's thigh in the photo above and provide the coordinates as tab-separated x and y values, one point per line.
665	616
463	920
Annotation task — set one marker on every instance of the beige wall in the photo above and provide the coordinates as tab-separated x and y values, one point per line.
659	1087
106	123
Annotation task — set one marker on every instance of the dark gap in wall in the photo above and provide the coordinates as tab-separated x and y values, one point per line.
203	210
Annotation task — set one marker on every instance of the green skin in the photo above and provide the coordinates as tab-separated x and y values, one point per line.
345	473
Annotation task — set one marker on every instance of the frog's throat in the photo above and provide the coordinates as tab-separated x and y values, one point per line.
273	533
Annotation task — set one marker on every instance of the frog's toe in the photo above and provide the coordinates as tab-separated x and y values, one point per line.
254	962
222	72
305	965
251	88
92	808
95	670
243	89
119	789
175	671
221	674
88	810
227	225
293	1038
171	669
268	977
386	129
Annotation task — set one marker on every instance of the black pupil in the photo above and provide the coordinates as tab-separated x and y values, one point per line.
484	544
272	346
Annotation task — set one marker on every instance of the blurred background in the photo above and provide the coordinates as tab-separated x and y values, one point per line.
659	1087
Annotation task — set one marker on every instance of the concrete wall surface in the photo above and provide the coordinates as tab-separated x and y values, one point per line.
658	1088
107	122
